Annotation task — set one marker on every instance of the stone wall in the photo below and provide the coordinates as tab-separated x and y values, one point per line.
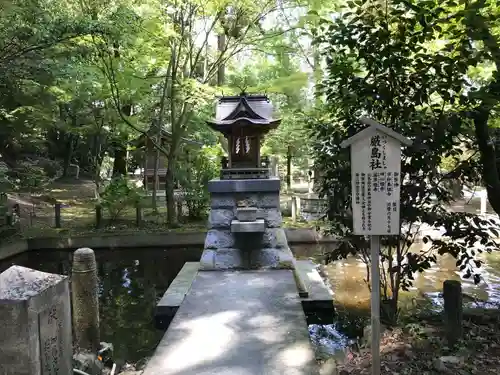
225	250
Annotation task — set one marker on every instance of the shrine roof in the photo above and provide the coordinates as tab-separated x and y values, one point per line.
228	126
253	108
372	127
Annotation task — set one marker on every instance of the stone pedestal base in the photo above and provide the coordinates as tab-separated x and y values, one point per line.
225	249
237	259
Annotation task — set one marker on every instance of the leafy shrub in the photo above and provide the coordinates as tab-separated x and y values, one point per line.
193	179
30	176
118	195
401	87
5	182
52	168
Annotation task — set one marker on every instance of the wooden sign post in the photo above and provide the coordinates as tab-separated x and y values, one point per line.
375	181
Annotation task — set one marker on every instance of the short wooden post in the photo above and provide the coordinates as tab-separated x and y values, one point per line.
57	211
294	209
179	208
453	310
98	216
484	201
9	219
138	215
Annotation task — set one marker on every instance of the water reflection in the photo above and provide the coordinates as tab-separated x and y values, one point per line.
347	277
131	283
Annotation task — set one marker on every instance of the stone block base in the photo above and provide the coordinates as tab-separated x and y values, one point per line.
222	259
236	259
272	259
232	242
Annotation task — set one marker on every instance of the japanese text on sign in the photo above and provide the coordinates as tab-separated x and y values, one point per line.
376	164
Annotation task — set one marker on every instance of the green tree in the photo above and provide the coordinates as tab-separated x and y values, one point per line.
190	65
469	34
382	63
36	38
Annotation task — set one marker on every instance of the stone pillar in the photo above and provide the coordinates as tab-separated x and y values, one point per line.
36	323
274	166
293	202
85	298
225	250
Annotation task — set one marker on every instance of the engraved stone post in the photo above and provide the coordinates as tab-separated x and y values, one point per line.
84	288
36	323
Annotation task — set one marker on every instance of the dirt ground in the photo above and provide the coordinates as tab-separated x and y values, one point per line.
37	209
422	350
78	214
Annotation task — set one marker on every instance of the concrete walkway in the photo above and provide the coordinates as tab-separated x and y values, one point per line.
237	323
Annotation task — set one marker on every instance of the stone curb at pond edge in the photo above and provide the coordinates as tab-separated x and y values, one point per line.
129	240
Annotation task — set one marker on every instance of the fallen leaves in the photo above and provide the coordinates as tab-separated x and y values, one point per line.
403	353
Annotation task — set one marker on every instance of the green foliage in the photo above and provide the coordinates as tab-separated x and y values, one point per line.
285	82
119	194
5	186
200	167
5	181
51	168
30	176
380	64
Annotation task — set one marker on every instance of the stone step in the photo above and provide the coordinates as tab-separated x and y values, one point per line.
318	303
175	294
237	323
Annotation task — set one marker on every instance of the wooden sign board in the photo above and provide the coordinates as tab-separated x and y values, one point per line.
376	180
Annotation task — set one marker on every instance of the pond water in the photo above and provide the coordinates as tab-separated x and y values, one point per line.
347	278
133	280
131	283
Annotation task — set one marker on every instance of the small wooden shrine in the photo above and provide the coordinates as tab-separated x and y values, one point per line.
244	120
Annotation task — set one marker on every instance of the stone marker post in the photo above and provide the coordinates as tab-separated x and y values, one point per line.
36	323
453	310
84	288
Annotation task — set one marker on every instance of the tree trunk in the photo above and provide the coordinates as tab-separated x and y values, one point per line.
169	188
221	80
98	158
120	163
317	75
289	168
120	148
487	150
155	174
221	70
51	142
68	154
